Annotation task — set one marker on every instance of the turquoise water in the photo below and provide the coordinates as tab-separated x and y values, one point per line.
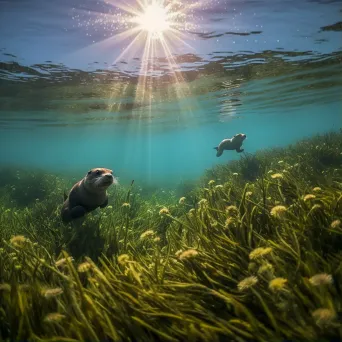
271	70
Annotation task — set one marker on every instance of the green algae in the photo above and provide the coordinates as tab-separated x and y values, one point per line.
251	254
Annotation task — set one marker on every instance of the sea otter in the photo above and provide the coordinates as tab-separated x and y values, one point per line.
234	143
87	194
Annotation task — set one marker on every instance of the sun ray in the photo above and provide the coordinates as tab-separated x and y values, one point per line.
177	35
156	45
128	47
153	30
126	7
110	41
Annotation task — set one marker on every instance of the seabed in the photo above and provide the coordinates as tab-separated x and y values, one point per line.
252	253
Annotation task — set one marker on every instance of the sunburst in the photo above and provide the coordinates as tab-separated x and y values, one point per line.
157	23
153	31
155	20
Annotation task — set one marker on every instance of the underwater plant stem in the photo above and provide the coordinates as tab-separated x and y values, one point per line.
267	310
41	261
156	331
178	221
126	232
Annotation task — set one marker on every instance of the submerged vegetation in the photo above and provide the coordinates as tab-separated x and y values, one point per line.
252	254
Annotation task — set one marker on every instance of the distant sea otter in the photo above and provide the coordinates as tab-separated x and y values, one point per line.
234	143
87	194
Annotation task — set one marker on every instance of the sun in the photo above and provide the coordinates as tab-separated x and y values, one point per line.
154	20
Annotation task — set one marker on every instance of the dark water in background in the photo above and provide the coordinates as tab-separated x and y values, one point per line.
70	102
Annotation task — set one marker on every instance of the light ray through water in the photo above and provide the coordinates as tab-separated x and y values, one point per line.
154	29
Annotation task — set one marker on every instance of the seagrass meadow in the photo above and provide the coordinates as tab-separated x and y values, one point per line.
251	253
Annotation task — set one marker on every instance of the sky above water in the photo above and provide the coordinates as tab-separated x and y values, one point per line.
79	33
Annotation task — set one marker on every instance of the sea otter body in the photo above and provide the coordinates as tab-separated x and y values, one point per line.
87	194
234	143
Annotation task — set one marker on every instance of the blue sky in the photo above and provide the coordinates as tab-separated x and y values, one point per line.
64	31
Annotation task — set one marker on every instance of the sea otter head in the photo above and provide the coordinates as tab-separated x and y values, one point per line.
238	139
99	179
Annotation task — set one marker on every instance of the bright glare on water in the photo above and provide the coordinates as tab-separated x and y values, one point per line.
148	89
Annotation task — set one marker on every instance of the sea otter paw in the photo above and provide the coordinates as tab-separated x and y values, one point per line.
77	212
